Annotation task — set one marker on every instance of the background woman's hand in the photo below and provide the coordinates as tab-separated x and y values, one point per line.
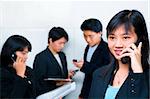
70	74
20	66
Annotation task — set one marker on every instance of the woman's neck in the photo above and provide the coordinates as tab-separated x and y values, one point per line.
124	67
51	49
121	74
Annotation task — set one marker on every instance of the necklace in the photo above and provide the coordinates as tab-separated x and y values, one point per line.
119	79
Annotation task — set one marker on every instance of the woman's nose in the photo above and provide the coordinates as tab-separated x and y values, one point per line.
88	39
62	46
118	43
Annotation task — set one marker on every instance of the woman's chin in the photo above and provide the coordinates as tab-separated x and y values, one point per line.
117	57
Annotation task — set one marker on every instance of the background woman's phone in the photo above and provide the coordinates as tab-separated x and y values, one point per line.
14	57
126	59
74	60
75	70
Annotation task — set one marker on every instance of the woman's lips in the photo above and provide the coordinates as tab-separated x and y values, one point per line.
117	52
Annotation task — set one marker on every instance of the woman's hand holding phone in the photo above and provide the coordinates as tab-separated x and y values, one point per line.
72	73
134	52
20	66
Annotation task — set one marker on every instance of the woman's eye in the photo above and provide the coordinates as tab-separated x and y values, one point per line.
126	37
111	37
91	36
24	53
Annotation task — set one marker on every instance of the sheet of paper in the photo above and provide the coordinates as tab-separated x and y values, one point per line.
57	79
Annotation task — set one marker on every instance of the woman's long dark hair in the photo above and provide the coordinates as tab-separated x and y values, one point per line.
13	43
132	18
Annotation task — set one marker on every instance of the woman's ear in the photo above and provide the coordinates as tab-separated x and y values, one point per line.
100	34
50	40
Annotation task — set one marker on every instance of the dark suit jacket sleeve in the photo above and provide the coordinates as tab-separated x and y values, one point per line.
19	87
138	84
100	59
97	86
39	72
39	67
12	87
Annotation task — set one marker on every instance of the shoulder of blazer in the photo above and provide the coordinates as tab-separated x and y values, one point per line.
29	71
62	53
103	45
43	53
4	73
104	70
48	52
7	73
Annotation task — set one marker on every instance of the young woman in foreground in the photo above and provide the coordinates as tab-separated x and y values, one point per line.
128	76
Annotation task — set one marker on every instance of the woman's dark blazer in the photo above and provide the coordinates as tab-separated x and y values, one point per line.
134	87
100	57
14	86
46	66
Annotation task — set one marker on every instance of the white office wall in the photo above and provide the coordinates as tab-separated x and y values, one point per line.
34	20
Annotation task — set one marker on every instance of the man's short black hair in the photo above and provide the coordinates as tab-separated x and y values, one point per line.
92	24
56	33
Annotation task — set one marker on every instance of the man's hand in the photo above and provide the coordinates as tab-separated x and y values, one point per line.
79	64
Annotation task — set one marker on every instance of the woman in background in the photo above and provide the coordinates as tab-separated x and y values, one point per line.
128	76
16	78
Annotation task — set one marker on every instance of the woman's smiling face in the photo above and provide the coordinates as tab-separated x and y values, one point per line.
119	40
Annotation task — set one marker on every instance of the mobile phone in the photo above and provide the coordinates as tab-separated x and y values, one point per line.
126	59
75	70
74	60
14	57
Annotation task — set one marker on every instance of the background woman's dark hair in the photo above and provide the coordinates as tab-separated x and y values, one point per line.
92	24
56	33
13	43
132	18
